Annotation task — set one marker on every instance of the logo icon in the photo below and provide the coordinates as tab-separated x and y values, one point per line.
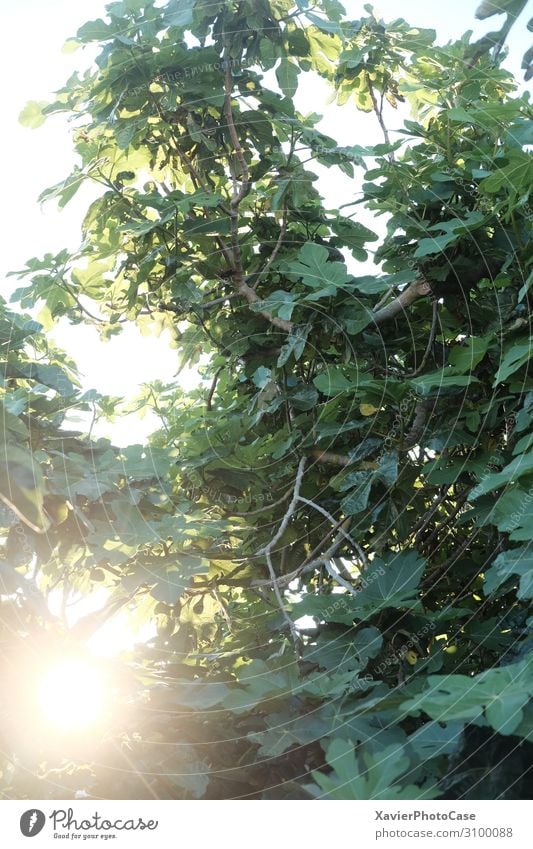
32	822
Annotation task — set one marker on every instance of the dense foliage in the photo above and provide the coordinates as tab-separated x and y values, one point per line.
358	452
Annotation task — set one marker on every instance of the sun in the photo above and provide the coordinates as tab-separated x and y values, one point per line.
72	694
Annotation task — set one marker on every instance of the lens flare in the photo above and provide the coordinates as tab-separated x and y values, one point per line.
72	694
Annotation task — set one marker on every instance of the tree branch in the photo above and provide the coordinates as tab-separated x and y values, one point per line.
422	410
266	550
212	388
361	554
432	334
418	289
378	112
290	510
431	579
339	579
253	298
331	458
266	268
239	193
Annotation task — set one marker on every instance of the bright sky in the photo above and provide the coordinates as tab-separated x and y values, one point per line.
32	66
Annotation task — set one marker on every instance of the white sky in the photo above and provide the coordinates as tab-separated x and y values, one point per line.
32	66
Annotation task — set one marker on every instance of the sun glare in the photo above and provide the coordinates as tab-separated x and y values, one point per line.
72	694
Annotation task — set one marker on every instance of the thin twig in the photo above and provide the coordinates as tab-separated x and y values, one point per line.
422	410
425	519
159	412
264	271
338	579
434	534
83	309
311	562
379	113
382	301
307	566
440	571
93	421
209	401
429	346
266	550
253	298
220	300
290	510
316	550
239	193
223	608
361	554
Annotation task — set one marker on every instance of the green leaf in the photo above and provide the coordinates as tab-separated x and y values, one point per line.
333	381
278	303
504	713
53	376
514	357
434	739
512	513
125	133
333	608
467	356
353	235
443	379
521	131
391	582
175	579
357	499
516	469
487	8
261	377
454	230
32	114
179	13
200	227
287	76
95	31
315	270
22	488
200	695
371	775
295	345
65	190
324	24
517	175
370	285
70	46
501	693
387	472
516	561
526	287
